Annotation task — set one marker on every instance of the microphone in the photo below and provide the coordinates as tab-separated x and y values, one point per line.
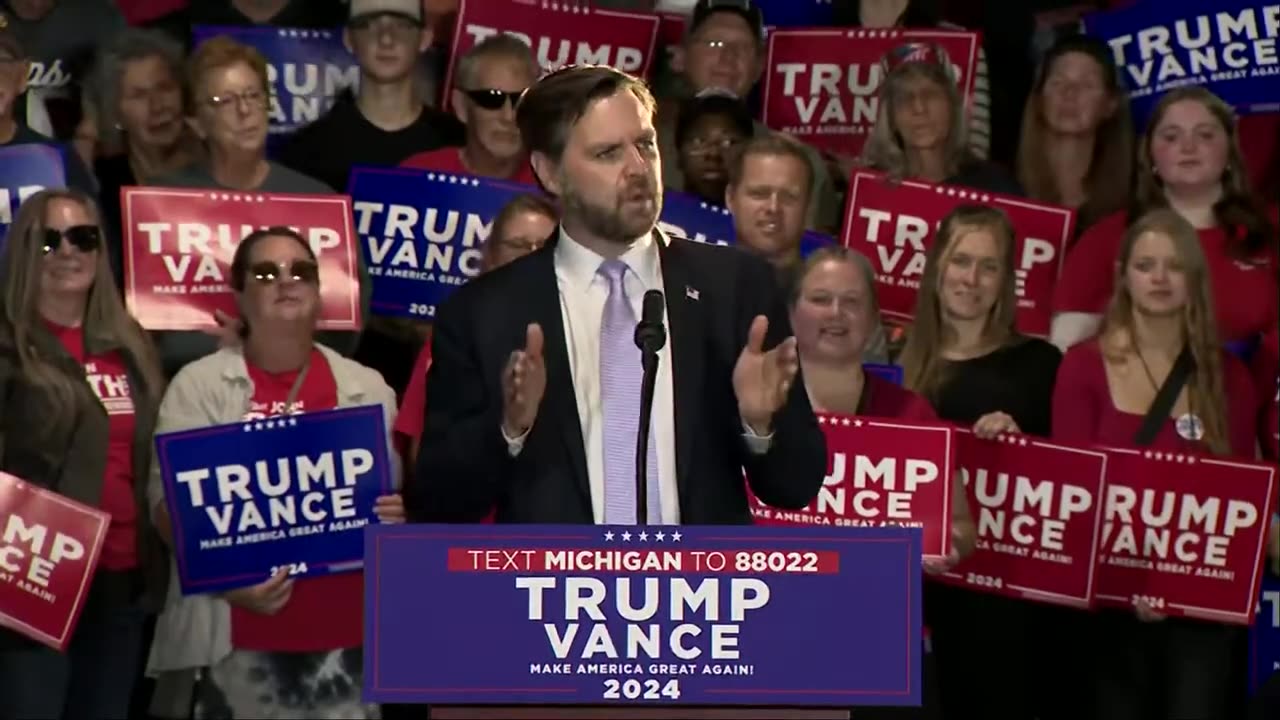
650	336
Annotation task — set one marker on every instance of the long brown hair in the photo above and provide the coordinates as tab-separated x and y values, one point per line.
1108	181
1199	327
1238	211
921	359
884	150
105	316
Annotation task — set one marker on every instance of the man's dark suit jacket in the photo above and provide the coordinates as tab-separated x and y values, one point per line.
465	470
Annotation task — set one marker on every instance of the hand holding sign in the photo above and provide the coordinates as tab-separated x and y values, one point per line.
523	383
992	424
762	379
390	509
266	598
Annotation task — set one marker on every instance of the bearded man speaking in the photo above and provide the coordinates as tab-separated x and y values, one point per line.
533	392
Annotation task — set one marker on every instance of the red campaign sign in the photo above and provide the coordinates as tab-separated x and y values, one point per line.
179	245
822	85
894	223
565	32
49	548
880	473
1187	534
1038	508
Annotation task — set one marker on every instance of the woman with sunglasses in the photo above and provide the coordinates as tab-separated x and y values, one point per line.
283	648
489	81
231	98
79	387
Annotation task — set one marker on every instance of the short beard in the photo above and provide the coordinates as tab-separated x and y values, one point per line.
608	224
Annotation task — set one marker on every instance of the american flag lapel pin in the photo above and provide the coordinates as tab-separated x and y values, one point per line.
691	293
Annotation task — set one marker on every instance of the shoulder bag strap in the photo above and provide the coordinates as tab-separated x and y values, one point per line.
1158	413
297	387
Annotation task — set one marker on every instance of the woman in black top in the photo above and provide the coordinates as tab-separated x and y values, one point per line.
964	354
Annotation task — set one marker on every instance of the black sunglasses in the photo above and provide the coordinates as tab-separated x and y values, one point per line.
303	271
85	238
493	99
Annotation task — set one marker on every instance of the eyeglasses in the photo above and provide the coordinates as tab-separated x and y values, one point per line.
254	99
85	238
493	99
707	146
303	271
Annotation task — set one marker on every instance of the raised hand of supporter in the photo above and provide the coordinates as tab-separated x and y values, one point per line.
265	598
524	380
390	509
993	424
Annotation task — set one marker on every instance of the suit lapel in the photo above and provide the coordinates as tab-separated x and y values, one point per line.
685	318
560	405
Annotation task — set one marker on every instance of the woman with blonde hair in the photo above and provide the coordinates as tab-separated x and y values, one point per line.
1190	161
1076	148
79	389
965	355
1159	328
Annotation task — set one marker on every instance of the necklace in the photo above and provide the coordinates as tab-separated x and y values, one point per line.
1146	368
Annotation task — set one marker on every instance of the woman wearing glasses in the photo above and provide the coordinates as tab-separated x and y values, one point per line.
488	82
283	648
230	102
79	388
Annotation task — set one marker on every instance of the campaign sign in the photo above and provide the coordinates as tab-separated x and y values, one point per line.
1038	507
894	223
179	244
822	86
625	615
1229	47
1264	637
560	32
250	498
892	373
880	474
306	69
686	216
1184	533
422	232
796	13
24	171
49	548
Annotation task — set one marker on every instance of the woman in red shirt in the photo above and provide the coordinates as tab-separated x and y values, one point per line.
1189	160
1161	305
285	648
835	315
80	384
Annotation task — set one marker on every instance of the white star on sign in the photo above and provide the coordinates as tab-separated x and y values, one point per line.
845	422
626	537
675	536
608	537
643	536
659	536
822	420
857	423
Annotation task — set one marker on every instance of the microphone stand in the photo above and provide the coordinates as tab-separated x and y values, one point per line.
649	361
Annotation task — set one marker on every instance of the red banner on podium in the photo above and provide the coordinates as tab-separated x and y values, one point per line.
49	548
880	473
178	246
1038	507
822	86
894	223
566	32
1185	533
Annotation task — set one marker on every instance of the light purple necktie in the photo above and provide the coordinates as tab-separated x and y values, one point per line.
620	375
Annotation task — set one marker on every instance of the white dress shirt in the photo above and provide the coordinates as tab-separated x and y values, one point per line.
583	294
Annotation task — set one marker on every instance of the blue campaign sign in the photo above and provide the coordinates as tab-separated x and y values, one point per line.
669	615
307	69
1227	46
892	373
796	13
689	217
1265	637
283	492
25	170
422	232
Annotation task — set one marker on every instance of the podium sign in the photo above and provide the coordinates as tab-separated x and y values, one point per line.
660	616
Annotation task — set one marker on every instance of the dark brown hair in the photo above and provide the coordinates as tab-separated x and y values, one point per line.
555	103
240	261
770	143
527	203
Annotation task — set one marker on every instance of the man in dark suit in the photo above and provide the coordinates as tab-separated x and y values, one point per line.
533	394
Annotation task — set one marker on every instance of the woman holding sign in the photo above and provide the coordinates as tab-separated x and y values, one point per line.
79	387
965	355
835	314
1111	391
284	648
